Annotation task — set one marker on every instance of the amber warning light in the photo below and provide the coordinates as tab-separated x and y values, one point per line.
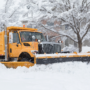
24	26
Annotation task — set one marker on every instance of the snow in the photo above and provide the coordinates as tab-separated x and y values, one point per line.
59	76
62	55
62	76
86	49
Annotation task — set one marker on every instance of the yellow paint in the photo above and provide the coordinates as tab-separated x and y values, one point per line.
20	28
56	52
16	64
2	46
16	51
75	52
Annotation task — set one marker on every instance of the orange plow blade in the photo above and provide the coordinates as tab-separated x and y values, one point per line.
16	64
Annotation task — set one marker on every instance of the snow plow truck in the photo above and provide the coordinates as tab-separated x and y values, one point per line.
20	46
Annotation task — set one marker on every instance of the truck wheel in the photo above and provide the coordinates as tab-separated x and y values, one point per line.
25	57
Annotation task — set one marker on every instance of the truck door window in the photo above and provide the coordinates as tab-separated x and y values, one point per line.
15	38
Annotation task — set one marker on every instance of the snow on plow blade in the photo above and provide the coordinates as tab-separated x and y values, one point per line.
55	58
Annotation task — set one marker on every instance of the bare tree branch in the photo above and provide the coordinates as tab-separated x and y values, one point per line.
69	4
74	24
88	27
70	24
6	6
59	33
17	9
13	12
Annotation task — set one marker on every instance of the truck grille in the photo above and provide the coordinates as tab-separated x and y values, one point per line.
49	48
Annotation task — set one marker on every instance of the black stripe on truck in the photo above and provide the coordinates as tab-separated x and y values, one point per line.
56	60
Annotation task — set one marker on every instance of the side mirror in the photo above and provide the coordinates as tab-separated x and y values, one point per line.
10	37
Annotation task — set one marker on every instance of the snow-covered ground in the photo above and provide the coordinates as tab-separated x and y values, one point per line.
61	76
86	49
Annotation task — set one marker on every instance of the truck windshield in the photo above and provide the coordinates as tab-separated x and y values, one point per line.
31	36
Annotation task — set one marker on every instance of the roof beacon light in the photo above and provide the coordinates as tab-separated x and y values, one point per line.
24	26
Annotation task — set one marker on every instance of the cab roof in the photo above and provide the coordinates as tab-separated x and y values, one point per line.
20	28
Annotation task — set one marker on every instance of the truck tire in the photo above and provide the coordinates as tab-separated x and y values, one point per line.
25	57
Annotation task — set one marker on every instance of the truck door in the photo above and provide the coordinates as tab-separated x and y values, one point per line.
14	44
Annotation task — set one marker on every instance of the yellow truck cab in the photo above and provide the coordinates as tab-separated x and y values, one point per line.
22	43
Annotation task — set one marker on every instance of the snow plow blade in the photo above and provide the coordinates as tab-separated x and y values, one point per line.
55	58
49	59
16	64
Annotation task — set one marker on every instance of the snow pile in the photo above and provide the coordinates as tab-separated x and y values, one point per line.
71	48
86	49
62	76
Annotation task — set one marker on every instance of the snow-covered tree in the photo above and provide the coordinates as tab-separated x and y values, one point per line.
11	11
77	17
75	14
